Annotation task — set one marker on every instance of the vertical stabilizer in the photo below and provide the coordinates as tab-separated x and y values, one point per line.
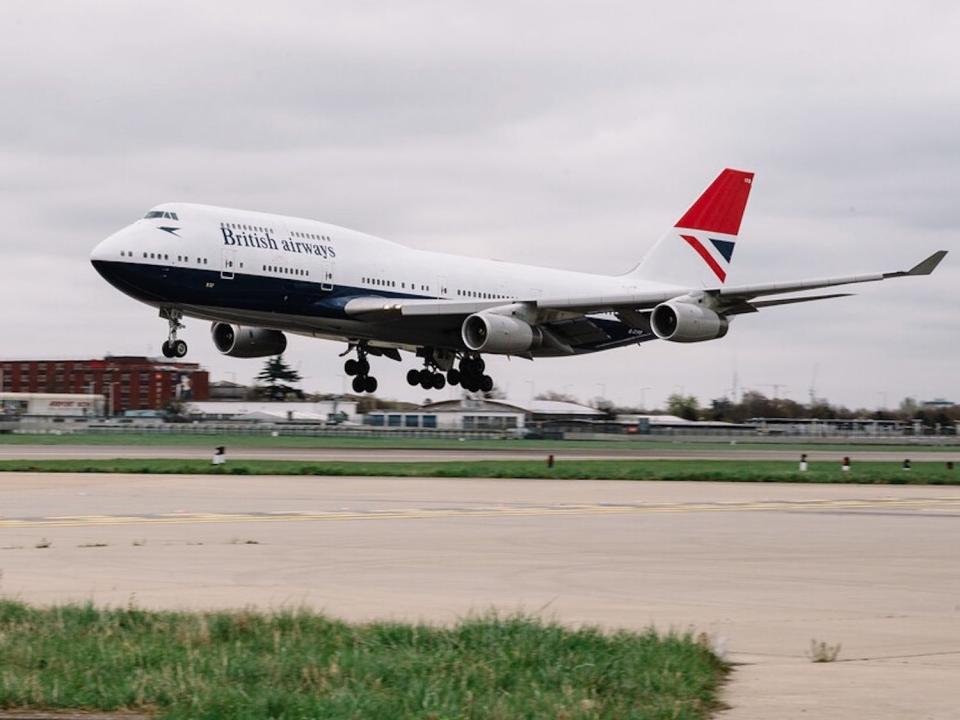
698	250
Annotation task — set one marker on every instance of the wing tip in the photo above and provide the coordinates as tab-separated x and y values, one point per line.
928	265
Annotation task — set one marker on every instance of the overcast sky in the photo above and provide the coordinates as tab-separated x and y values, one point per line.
565	134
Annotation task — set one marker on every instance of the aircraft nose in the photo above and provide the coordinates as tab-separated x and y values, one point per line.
112	248
101	252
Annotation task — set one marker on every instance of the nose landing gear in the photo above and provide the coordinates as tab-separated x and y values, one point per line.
173	347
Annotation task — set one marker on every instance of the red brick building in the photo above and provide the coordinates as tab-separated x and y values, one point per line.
128	382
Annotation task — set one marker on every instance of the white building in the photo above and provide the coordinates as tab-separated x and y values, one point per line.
50	405
323	411
483	414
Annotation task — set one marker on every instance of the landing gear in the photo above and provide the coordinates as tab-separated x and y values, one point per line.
471	374
435	362
172	347
364	383
177	348
359	368
427	379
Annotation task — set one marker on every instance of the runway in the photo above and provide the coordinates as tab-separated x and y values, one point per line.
326	454
763	569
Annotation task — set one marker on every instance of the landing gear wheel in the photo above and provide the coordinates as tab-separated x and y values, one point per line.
359	384
172	347
486	383
363	367
370	384
438	381
453	376
426	380
413	377
350	367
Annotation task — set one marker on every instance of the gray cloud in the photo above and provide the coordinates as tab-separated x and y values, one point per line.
569	135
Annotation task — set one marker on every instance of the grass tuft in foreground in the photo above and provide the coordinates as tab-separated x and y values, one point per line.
298	664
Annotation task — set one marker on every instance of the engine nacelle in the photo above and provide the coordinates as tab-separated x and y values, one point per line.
686	322
247	342
492	333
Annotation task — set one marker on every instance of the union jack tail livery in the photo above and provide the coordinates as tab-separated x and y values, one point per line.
698	250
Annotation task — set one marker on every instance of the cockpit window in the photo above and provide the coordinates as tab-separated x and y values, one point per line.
161	214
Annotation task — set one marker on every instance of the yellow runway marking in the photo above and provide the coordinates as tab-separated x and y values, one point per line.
934	504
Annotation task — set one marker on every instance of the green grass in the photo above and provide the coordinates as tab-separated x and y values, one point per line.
923	473
298	664
401	443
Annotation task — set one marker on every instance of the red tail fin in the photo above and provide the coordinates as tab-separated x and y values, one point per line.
721	206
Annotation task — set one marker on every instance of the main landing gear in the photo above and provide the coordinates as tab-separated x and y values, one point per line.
172	347
469	374
427	379
359	368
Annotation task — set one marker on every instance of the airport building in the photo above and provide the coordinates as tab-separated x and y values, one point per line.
333	411
127	382
483	414
47	405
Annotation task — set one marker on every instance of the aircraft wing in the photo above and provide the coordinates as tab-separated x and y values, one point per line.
735	294
631	308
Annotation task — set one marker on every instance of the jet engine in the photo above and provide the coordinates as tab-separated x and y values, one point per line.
492	333
247	342
686	322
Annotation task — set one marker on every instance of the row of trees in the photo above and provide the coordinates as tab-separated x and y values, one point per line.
755	404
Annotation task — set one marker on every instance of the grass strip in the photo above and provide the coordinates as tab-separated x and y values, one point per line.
922	473
299	664
406	443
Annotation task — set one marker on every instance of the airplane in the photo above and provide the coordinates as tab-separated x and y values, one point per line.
256	276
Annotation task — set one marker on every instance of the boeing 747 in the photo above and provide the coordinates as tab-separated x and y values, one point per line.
256	276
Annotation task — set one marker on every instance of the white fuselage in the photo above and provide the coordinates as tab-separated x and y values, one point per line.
294	274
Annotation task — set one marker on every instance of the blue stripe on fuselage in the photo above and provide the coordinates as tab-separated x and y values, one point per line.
165	284
169	285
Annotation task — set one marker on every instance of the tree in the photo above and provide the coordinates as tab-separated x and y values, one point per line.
494	393
607	407
683	406
557	397
275	376
722	410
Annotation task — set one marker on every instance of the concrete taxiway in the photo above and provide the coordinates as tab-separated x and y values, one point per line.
764	569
